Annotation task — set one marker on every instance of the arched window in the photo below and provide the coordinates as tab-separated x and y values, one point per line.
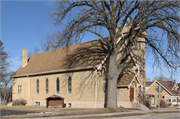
37	86
69	85
47	91
57	85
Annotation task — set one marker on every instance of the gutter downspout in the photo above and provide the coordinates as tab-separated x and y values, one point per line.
95	106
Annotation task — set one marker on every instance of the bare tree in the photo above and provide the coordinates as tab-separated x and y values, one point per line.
6	89
47	44
5	73
163	78
35	51
76	17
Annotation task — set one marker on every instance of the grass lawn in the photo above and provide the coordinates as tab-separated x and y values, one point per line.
62	111
41	108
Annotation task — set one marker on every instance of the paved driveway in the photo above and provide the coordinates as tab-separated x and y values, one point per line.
14	112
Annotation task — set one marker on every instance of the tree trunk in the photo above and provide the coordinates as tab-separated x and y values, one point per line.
112	82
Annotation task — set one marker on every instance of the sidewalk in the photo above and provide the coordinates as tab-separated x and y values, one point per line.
120	114
166	109
132	113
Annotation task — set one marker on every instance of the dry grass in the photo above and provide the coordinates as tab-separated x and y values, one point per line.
61	111
88	117
39	108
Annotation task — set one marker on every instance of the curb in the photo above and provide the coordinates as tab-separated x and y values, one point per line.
79	114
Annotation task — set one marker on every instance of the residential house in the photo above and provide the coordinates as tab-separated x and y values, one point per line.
78	74
169	92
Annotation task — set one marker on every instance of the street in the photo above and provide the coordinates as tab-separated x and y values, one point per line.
156	116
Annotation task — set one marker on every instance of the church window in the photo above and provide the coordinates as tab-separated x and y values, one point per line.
37	86
69	85
47	91
57	85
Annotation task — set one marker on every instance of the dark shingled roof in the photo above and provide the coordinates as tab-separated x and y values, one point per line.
148	83
168	85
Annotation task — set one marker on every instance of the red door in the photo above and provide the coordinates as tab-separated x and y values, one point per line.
131	93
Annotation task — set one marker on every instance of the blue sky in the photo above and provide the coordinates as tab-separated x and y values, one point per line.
25	23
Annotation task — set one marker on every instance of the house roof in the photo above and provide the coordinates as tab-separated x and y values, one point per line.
75	56
168	85
148	83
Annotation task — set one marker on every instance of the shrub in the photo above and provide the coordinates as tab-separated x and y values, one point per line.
175	105
22	101
15	102
19	102
144	101
169	104
163	103
147	104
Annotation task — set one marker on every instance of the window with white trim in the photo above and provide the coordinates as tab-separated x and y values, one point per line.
19	89
173	99
168	99
156	88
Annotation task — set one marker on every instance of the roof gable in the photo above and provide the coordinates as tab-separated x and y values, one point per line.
167	86
127	79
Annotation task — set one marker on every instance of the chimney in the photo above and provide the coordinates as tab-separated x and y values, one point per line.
149	80
24	57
